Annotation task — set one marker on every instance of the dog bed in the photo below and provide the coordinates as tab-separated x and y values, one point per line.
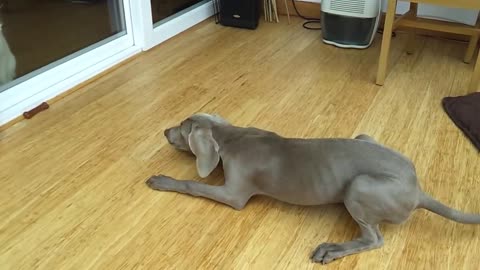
465	113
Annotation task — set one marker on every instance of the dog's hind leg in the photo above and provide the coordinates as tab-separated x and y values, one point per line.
369	239
369	201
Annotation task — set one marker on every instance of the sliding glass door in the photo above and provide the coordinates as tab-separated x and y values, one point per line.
165	9
170	17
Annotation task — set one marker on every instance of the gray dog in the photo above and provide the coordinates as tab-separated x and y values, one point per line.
375	183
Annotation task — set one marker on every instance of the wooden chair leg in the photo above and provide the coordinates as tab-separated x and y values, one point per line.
386	40
411	33
472	45
475	83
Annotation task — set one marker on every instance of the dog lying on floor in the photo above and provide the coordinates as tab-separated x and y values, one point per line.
375	183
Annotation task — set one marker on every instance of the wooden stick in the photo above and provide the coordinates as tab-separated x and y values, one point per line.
275	11
272	15
288	12
265	9
269	10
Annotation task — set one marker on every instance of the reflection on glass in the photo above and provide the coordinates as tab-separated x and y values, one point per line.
42	33
162	9
7	60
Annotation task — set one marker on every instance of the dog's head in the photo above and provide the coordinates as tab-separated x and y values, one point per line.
194	135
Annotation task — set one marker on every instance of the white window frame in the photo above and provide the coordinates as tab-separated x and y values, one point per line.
177	24
140	35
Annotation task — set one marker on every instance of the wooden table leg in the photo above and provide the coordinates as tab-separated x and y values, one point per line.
411	33
475	83
386	40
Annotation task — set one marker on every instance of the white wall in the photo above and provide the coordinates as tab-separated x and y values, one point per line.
449	14
439	12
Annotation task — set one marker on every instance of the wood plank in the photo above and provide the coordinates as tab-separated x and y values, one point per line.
386	43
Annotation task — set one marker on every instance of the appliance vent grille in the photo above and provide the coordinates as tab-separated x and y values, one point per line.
350	6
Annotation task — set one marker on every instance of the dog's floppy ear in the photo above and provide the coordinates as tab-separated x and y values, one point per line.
205	148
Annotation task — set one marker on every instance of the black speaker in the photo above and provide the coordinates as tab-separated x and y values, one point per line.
239	13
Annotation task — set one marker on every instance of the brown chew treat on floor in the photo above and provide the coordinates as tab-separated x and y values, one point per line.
36	110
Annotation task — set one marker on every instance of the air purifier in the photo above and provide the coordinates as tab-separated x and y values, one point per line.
350	23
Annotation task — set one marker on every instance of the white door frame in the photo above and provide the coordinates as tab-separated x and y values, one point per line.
177	23
147	35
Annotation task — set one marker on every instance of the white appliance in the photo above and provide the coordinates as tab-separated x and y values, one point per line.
350	23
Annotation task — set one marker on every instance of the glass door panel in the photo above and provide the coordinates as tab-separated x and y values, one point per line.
37	35
163	9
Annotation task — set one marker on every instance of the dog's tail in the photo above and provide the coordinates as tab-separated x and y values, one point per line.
439	208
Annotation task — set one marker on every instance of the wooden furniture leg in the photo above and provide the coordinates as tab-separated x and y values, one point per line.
411	33
386	40
475	83
472	45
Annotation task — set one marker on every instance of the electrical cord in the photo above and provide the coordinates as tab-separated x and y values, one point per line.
308	20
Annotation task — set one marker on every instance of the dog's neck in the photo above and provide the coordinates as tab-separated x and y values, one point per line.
225	134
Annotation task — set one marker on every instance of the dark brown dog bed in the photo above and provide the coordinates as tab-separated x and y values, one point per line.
465	113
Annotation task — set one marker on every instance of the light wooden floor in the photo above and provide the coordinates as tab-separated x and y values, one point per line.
72	178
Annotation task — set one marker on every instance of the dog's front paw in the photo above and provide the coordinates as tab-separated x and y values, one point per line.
159	182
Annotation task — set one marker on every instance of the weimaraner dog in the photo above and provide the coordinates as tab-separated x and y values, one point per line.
375	183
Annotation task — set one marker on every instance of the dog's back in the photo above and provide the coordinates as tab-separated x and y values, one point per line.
296	169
